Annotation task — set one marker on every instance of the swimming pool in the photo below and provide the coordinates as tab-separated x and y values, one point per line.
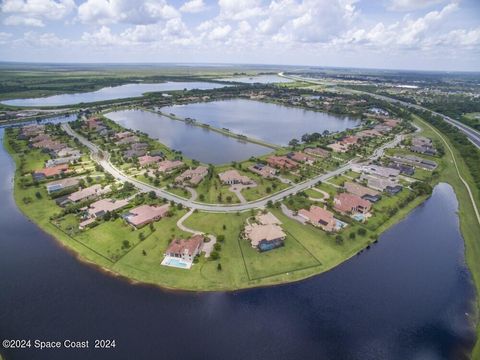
359	217
176	262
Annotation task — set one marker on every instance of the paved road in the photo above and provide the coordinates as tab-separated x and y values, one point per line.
102	159
472	134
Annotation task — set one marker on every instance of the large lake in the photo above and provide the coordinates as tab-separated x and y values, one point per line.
258	79
194	142
408	297
110	93
271	122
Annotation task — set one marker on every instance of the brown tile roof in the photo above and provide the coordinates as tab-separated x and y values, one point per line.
168	165
319	217
185	246
281	162
145	214
52	171
234	177
359	190
348	203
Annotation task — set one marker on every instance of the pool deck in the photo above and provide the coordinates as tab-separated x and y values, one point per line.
173	262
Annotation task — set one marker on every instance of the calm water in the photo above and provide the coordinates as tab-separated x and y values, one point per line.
111	93
405	298
194	142
260	79
274	123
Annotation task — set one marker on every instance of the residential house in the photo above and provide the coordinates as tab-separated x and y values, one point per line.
380	183
282	162
416	161
233	177
317	151
403	168
319	217
50	172
166	166
62	160
263	170
88	193
423	145
146	160
301	157
266	234
338	147
346	203
67	151
145	214
376	170
62	184
128	140
192	176
185	249
362	191
99	208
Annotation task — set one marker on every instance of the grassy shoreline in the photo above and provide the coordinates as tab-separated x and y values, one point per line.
145	270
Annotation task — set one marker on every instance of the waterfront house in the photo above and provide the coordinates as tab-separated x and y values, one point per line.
192	176
233	177
145	214
265	233
131	153
346	203
185	249
319	217
338	147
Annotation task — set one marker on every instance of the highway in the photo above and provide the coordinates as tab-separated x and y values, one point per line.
472	134
102	158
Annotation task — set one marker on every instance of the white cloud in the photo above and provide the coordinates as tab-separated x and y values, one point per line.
220	32
193	6
240	9
411	5
17	20
35	12
125	11
408	33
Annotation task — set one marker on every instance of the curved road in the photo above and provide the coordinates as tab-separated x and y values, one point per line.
102	158
472	134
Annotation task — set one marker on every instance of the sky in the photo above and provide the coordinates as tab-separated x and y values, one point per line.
390	34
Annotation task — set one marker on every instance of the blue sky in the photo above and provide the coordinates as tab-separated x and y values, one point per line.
398	34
